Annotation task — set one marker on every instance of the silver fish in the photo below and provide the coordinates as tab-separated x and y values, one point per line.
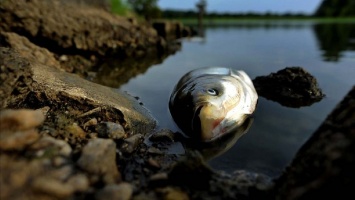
208	103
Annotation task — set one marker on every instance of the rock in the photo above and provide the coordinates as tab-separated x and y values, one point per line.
154	163
163	135
17	140
324	166
52	187
110	130
76	130
154	150
17	128
91	122
47	86
48	146
23	178
170	193
99	157
123	191
79	182
131	144
292	87
22	119
28	50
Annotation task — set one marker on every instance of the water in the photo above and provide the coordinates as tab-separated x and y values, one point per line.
324	50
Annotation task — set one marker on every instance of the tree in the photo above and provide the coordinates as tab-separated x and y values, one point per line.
147	8
336	8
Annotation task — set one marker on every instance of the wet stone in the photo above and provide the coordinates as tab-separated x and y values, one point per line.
291	87
110	130
163	135
131	144
99	157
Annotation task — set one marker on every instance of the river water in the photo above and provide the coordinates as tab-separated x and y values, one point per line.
325	50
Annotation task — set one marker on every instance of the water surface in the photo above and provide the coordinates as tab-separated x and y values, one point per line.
324	50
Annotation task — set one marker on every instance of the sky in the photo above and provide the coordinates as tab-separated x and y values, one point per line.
275	6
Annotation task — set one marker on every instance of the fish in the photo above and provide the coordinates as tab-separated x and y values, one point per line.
208	103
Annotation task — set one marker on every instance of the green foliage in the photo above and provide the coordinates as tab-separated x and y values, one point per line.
336	8
147	8
119	7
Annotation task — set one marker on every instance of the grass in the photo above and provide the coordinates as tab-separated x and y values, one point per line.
120	8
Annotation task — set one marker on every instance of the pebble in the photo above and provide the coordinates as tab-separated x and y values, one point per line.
170	193
122	191
22	119
131	143
159	176
154	150
162	136
79	182
52	187
99	157
76	130
90	122
56	146
110	130
154	163
17	140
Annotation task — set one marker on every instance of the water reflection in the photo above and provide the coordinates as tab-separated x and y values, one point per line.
217	147
334	39
116	72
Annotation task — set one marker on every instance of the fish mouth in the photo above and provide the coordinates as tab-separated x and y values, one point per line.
207	123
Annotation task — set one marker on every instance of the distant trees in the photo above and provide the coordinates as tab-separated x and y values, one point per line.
147	8
336	8
176	14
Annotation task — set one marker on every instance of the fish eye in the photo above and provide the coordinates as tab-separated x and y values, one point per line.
212	92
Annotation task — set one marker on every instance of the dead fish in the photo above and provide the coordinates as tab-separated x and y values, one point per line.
208	103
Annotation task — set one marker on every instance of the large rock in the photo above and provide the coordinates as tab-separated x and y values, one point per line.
292	87
324	167
30	84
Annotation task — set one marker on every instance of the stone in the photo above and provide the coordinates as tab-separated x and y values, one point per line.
291	87
171	193
90	122
110	130
17	128
51	86
324	165
99	157
131	144
17	140
50	146
163	135
22	119
122	191
76	130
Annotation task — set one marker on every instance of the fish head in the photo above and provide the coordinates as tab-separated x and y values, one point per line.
209	106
